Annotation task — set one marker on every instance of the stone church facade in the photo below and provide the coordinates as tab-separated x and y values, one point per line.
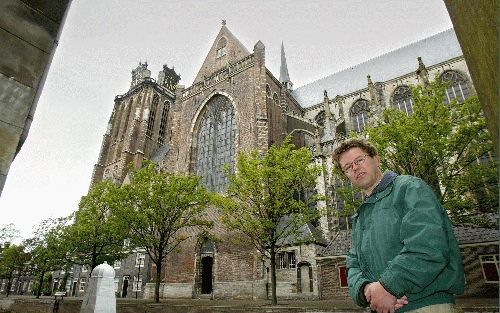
236	104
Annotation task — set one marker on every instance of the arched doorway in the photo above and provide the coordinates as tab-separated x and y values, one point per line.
206	274
205	264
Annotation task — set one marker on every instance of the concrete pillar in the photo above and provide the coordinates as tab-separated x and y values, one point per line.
100	296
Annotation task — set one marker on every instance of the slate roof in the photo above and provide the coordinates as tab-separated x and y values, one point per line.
306	234
341	244
433	50
468	234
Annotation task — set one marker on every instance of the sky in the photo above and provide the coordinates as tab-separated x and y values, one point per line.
102	41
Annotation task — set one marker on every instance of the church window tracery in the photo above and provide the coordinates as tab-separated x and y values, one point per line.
275	98
163	123
215	143
320	118
402	100
359	114
152	114
458	87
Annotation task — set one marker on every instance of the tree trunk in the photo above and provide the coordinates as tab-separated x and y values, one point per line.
9	282
40	283
158	280
274	298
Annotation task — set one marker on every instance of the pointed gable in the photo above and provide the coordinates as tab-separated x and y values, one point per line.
225	49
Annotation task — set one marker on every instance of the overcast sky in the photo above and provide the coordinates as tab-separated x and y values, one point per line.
102	41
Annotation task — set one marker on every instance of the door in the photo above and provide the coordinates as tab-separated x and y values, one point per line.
125	286
206	275
73	292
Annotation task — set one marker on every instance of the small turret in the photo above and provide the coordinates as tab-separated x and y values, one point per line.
140	73
284	77
168	78
422	73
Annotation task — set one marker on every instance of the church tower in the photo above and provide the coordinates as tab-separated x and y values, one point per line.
139	124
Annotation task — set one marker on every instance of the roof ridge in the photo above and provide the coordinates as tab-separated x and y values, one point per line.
375	57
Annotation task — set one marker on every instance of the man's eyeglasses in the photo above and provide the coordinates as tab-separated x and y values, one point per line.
358	161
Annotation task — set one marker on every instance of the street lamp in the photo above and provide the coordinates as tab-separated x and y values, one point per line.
137	281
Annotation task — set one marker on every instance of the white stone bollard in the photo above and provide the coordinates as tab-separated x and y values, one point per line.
100	295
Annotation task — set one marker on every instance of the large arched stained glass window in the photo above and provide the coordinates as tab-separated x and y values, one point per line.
401	99
457	87
215	143
359	114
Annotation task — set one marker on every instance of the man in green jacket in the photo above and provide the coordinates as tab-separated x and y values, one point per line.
404	255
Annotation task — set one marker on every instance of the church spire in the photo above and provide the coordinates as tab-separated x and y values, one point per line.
284	77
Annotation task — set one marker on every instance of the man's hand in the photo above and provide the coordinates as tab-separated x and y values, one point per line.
381	300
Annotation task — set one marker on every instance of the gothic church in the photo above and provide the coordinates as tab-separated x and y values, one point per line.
236	104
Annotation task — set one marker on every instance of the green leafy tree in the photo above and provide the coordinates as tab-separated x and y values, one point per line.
96	234
266	199
48	249
8	233
13	260
447	145
158	208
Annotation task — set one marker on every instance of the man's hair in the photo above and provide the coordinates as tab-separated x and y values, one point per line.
363	144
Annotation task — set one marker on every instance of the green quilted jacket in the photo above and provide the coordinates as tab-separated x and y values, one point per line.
403	238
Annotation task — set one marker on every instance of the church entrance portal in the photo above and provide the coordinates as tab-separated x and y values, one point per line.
206	275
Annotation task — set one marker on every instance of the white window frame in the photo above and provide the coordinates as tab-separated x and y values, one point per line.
137	286
85	269
117	264
117	284
139	259
281	260
489	259
292	260
83	284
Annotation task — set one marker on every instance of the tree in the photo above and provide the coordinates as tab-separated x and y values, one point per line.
48	249
447	145
157	208
96	234
8	233
13	259
265	199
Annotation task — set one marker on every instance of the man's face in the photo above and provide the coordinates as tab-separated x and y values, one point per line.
361	169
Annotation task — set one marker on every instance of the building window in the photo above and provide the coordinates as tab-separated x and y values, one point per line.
292	262
117	281
85	268
343	276
117	264
490	264
276	99
221	48
163	123
137	284
126	243
83	283
281	260
268	91
152	115
139	260
359	114
215	143
457	86
401	99
320	118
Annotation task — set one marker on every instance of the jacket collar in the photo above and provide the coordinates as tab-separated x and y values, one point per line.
383	188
